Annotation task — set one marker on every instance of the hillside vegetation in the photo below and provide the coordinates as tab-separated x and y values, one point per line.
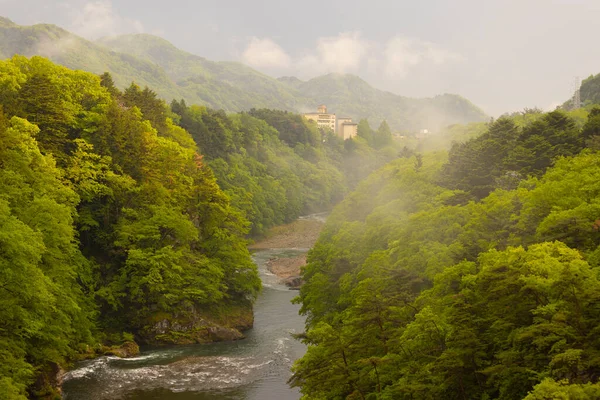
468	275
113	227
590	90
176	74
123	218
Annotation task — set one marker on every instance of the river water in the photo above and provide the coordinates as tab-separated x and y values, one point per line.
254	368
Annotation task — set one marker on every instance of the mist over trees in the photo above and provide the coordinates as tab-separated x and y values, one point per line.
467	273
471	274
118	211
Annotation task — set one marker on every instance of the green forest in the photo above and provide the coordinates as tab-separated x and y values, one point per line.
124	218
467	274
463	265
308	201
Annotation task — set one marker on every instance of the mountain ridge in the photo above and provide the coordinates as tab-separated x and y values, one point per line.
232	86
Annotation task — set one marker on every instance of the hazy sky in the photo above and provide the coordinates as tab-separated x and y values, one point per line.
503	55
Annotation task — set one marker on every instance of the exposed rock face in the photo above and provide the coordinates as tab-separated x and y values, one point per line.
195	327
302	233
287	267
299	236
127	349
293	282
220	334
48	383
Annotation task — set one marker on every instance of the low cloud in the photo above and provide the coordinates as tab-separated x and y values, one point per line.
343	53
265	53
98	18
402	54
53	47
350	52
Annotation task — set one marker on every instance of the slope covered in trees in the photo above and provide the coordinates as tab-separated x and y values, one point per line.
434	280
125	218
350	95
589	93
590	90
268	180
111	223
173	73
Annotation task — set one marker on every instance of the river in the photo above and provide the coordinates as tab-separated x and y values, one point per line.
253	368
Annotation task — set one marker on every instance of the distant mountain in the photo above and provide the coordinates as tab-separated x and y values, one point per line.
349	95
590	90
589	93
190	77
228	85
174	73
75	52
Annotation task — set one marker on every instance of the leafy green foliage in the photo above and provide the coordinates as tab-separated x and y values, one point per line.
365	131
476	288
118	212
43	309
590	90
382	136
127	223
276	165
507	153
292	127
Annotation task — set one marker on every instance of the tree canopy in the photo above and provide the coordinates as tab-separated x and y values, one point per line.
474	275
119	212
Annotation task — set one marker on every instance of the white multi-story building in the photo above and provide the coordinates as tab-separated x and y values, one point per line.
343	127
323	119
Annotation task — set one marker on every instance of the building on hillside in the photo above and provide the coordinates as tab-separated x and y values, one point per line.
342	127
346	129
322	118
341	121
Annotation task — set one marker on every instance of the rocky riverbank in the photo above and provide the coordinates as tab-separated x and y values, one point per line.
299	235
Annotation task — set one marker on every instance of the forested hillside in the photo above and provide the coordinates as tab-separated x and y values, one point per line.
112	225
125	218
471	275
156	206
173	73
350	95
590	90
230	86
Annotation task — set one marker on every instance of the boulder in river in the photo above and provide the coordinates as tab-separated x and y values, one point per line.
195	326
293	282
127	349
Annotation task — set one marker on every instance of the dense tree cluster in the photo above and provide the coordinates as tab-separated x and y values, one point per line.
590	91
473	275
506	153
276	165
110	217
118	211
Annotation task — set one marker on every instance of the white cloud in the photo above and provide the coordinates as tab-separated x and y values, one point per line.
265	53
342	53
402	54
52	47
349	52
98	18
